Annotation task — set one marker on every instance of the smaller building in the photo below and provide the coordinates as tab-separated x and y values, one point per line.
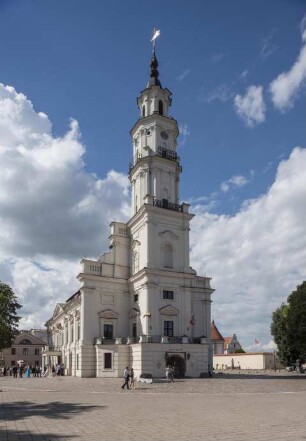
26	348
231	345
216	339
248	361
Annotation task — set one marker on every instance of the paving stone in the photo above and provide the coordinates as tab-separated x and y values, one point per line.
229	407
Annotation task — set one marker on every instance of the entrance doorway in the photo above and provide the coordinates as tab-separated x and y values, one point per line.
178	363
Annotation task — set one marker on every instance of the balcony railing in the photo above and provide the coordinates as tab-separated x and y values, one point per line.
51	349
164	203
184	339
162	152
167	153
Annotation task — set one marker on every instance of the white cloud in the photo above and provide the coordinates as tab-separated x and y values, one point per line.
270	346
217	57
257	256
234	181
286	87
221	93
183	75
244	74
184	133
251	107
268	45
52	212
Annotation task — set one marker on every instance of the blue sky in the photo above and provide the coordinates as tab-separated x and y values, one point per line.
88	60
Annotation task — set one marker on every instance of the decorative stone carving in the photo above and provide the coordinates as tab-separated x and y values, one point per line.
108	314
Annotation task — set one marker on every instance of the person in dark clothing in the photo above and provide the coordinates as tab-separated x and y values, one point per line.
126	375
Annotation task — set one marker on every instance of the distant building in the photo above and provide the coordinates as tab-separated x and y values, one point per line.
42	334
216	339
231	344
223	345
247	361
26	347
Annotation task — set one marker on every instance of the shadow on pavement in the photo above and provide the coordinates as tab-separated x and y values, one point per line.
20	410
16	435
244	376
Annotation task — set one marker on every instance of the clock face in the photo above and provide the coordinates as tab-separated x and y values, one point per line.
164	135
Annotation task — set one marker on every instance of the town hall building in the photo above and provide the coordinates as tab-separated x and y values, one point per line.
141	304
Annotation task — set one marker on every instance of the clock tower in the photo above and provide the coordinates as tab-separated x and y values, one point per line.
155	168
161	277
141	304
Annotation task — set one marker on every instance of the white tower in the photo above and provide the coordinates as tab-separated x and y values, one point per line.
141	304
168	292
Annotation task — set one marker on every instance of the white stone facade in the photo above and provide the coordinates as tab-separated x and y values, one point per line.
141	304
249	361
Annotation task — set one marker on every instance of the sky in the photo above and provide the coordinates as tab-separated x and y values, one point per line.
70	73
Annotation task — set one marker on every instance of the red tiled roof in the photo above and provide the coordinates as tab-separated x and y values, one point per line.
228	339
214	333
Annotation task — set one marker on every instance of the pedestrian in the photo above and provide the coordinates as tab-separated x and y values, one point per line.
126	375
131	377
15	371
167	373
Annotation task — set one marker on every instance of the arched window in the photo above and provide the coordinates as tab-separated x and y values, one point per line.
168	256
143	111
160	107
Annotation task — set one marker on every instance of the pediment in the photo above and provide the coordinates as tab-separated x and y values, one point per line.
168	235
168	310
58	310
134	312
108	314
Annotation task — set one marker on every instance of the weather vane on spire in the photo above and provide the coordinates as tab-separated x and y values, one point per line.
156	33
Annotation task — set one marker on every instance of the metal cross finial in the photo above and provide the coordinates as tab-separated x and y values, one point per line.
156	33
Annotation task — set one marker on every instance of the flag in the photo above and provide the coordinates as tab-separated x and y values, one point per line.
257	342
192	320
156	33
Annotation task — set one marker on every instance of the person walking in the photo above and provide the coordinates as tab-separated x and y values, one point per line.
167	374
131	377
126	375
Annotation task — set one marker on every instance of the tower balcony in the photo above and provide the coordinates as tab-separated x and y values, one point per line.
164	203
167	154
162	152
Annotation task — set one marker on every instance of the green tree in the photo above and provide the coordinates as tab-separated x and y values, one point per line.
289	327
239	351
8	316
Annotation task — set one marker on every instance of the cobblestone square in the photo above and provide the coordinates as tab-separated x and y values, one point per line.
228	407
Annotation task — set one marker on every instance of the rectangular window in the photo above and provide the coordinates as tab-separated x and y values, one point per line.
25	351
136	298
108	331
168	294
79	330
13	351
36	351
36	363
66	334
13	362
168	328
71	333
77	362
107	360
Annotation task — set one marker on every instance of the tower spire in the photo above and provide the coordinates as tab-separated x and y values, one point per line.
154	74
